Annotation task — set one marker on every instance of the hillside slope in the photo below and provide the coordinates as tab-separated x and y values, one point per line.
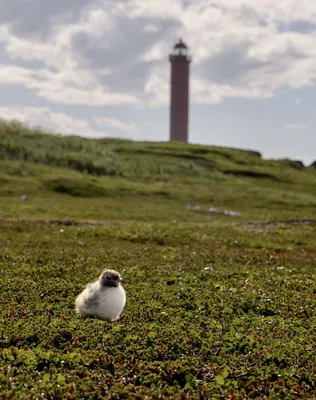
38	163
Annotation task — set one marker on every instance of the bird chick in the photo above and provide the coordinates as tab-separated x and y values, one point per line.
104	299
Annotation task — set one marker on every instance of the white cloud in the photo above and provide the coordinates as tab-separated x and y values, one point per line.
240	48
157	52
95	97
3	33
158	9
270	58
151	28
12	75
157	88
296	126
115	123
64	87
57	51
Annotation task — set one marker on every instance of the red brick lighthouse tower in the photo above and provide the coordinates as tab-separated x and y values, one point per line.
179	92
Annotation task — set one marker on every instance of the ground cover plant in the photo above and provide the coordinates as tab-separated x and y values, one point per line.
218	306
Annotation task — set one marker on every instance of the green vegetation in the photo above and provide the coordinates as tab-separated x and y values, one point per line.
218	306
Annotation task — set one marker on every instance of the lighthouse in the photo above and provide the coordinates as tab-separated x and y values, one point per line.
179	92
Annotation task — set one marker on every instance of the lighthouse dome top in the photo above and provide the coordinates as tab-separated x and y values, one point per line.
180	45
180	52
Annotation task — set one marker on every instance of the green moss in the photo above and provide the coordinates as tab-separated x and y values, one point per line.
213	310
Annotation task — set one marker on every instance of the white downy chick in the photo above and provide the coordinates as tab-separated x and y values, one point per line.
104	299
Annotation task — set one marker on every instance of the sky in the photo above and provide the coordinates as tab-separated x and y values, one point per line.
100	68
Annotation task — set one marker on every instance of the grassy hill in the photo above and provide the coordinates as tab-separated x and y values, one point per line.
170	173
218	306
